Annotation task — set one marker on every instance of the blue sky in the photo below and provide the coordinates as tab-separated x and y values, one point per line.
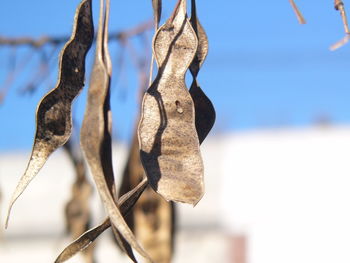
263	69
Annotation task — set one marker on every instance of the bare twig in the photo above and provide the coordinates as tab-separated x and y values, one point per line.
340	43
339	5
55	42
297	12
37	43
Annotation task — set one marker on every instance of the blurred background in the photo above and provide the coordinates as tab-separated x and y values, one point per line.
276	161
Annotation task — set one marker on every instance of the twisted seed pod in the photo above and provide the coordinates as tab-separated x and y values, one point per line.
169	146
53	115
107	142
95	132
204	109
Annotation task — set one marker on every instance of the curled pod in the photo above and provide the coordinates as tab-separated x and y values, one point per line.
95	133
53	115
169	146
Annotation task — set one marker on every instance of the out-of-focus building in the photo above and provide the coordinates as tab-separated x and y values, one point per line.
271	196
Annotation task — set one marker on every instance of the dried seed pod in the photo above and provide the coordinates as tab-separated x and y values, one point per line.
152	219
53	116
125	203
168	139
132	174
95	132
77	210
154	224
204	109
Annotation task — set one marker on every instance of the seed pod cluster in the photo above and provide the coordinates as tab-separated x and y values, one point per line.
173	123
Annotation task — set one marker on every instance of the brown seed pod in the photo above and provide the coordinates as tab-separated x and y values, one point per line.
204	109
154	224
152	219
95	132
53	116
77	209
169	146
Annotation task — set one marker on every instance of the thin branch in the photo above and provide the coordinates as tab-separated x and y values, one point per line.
37	43
297	12
55	42
339	6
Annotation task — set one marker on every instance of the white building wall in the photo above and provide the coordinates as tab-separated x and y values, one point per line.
286	191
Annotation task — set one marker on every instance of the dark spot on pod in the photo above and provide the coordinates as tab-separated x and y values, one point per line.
179	109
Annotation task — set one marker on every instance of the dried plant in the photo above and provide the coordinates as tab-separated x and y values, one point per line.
164	162
169	146
53	116
173	123
77	210
152	219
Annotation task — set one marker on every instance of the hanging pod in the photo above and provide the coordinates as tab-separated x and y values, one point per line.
169	146
53	115
95	132
204	109
77	209
152	219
